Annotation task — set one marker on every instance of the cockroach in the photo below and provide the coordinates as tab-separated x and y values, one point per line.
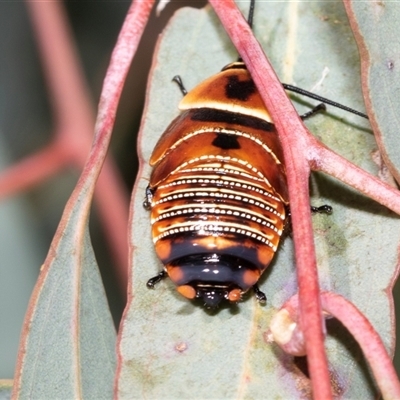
218	192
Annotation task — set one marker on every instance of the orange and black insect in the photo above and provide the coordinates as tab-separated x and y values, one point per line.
218	193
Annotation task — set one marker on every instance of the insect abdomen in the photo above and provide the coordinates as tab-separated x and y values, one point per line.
219	188
218	191
214	204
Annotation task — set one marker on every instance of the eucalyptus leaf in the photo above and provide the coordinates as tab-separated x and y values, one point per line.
68	343
171	348
377	32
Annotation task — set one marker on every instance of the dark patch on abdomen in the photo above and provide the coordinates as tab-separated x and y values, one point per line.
226	142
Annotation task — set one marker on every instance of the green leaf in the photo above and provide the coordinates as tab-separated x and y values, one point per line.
170	348
68	343
376	30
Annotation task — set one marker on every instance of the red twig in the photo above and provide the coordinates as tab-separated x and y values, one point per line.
290	339
324	159
32	170
292	134
135	20
64	76
369	340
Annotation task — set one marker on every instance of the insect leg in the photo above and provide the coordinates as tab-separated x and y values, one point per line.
178	80
311	95
319	108
251	14
151	283
260	296
324	209
149	197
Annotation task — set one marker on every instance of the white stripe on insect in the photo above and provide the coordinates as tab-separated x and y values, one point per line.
233	132
229	181
217	193
219	210
222	227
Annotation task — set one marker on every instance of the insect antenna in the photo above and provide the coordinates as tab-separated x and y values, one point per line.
314	96
301	91
251	13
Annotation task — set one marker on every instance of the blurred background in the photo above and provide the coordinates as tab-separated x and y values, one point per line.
28	220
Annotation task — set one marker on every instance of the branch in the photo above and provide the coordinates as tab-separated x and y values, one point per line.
369	340
326	160
287	333
32	170
293	136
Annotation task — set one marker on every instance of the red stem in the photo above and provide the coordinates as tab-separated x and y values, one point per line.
124	50
32	170
326	160
369	340
65	78
363	332
131	32
293	135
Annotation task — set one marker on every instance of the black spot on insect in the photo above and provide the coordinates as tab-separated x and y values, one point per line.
226	142
240	90
227	117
